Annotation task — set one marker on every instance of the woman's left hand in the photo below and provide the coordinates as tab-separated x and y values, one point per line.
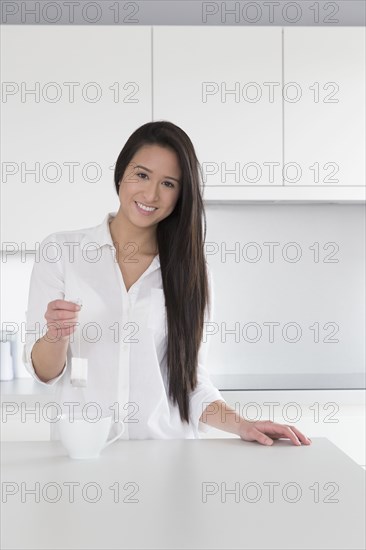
265	431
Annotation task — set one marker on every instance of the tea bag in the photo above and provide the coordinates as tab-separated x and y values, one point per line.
79	365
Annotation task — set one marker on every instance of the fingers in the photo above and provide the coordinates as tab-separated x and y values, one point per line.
62	318
261	430
281	430
62	309
303	438
59	310
64	305
291	433
262	438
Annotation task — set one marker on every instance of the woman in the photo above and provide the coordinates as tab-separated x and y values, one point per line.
146	293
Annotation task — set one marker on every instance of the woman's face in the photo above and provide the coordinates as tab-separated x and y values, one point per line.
152	179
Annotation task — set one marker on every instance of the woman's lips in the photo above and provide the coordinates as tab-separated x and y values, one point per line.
144	212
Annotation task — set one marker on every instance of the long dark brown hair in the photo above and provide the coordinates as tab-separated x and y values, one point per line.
182	259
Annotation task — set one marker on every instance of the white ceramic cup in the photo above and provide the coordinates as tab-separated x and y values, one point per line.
85	439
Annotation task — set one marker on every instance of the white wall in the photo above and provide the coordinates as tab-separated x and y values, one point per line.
305	292
309	292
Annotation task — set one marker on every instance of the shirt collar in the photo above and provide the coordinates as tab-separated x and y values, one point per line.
102	235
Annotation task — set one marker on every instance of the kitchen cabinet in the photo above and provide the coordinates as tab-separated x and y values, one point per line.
221	85
324	109
275	114
72	95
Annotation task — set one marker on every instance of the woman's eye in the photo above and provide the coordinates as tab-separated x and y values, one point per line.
169	182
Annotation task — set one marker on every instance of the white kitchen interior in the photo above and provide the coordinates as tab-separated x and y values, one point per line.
277	117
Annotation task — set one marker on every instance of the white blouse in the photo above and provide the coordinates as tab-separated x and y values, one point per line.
124	337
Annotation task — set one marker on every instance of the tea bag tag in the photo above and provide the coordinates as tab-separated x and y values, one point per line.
79	372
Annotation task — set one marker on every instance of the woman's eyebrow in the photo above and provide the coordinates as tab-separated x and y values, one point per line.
148	170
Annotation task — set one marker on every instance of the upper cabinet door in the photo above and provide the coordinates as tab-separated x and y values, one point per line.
222	86
71	97
324	129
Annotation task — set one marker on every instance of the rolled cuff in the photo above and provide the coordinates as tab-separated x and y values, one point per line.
27	360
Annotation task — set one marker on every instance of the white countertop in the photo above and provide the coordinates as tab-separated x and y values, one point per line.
28	388
24	386
172	495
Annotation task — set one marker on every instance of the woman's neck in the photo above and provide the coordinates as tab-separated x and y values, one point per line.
125	235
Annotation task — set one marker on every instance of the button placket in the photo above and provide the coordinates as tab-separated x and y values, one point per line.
123	391
126	320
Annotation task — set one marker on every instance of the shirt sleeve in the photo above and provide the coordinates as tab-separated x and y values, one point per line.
205	391
46	284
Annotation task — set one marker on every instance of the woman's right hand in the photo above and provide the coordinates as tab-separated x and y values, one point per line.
61	317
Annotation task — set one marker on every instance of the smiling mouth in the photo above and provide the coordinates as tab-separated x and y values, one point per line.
144	208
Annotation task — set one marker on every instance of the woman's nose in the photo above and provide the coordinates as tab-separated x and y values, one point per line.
151	192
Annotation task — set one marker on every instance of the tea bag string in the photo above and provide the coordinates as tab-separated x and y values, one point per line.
79	339
83	399
79	302
81	389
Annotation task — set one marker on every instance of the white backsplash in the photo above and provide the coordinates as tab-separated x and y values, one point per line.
315	291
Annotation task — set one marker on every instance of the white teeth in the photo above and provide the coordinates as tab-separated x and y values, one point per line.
147	208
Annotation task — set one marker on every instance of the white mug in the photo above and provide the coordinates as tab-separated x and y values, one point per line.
85	439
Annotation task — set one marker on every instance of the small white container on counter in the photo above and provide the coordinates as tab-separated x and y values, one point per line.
6	361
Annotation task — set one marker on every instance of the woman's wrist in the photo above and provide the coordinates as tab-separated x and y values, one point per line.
243	427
